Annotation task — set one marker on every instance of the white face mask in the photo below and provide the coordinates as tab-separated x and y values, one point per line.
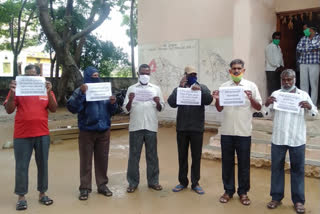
144	79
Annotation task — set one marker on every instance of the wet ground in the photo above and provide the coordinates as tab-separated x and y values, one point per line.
64	181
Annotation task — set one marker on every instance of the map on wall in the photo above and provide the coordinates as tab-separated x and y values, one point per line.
211	58
167	62
215	56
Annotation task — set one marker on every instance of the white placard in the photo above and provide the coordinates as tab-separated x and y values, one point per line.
144	94
187	96
231	96
98	91
288	102
30	86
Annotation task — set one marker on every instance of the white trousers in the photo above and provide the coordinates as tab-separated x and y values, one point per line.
309	75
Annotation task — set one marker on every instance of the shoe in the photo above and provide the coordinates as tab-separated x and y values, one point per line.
157	187
84	194
105	191
21	205
198	189
45	200
131	189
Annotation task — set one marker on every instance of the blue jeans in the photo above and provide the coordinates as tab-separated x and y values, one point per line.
23	148
136	141
297	156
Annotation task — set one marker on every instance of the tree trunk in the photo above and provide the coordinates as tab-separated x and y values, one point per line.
15	65
71	78
133	68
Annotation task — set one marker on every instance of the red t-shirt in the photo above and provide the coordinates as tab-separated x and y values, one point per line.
31	117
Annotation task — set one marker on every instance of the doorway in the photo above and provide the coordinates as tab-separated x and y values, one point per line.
290	25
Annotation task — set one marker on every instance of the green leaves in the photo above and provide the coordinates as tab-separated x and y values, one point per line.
103	55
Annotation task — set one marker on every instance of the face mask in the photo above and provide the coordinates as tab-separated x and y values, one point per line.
95	80
307	32
276	41
144	79
289	89
192	80
236	78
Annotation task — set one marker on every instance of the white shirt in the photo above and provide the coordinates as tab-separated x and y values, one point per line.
237	120
274	57
143	115
290	128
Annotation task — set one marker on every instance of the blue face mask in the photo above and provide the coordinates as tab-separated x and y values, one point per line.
95	80
192	80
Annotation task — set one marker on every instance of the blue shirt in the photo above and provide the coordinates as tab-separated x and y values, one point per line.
309	50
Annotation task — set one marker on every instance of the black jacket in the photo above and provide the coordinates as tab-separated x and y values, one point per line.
191	118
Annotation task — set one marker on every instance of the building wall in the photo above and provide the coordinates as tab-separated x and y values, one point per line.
288	5
177	20
243	26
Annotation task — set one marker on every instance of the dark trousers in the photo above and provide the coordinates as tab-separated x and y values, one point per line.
194	139
297	157
273	81
23	148
242	146
136	141
97	144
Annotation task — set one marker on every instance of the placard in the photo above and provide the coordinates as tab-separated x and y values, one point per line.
98	91
288	102
30	86
231	96
143	94
187	96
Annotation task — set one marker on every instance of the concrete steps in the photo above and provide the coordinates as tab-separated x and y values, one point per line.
261	147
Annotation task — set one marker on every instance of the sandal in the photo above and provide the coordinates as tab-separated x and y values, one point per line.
244	199
84	194
273	204
131	189
105	191
45	200
198	190
225	198
21	205
157	187
299	207
178	188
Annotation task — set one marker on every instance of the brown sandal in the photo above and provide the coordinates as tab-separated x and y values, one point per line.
273	204
225	198
299	207
244	199
156	187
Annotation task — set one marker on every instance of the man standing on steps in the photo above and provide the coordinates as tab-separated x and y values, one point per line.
289	133
274	63
309	60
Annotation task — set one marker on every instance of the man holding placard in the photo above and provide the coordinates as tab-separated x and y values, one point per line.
190	98
240	99
143	101
289	133
31	131
94	109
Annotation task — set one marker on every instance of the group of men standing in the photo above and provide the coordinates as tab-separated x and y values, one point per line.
308	53
289	130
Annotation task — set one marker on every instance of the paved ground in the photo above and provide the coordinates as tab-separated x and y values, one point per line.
64	181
